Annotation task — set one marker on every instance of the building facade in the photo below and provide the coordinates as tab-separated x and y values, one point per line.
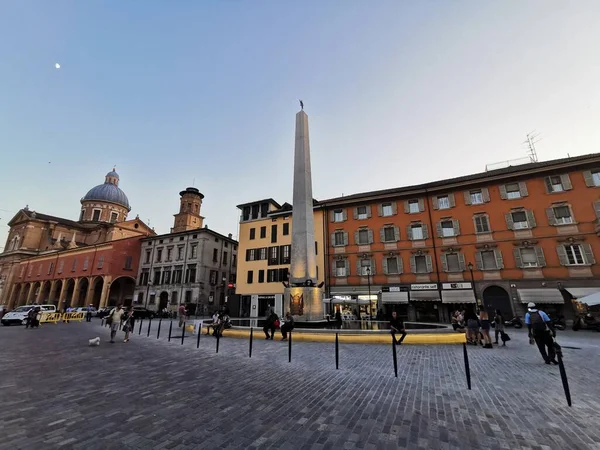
102	219
191	265
503	238
265	238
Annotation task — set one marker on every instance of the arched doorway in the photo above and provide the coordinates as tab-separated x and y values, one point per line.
55	293
121	291
45	297
69	293
164	300
98	285
84	284
22	299
495	297
34	293
14	300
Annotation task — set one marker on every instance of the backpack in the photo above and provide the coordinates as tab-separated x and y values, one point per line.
537	322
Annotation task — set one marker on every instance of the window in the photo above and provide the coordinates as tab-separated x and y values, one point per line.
215	255
443	202
128	261
166	275
574	255
148	256
262	253
40	269
558	183
488	260
261	276
447	228
387	210
273	234
194	249
389	234
316	248
114	216
519	220
392	265
340	268
363	237
96	215
252	233
453	262
250	277
339	239
246	213
50	267
413	206
144	278
179	253
592	177
420	264
159	255
225	258
177	274
482	224
513	191
213	277
190	276
30	270
86	263
273	256
263	232
417	232
61	266
476	197
361	213
74	266
169	254
528	257
562	215
338	215
81	215
285	254
250	254
365	267
273	276
286	229
156	277
100	262
174	296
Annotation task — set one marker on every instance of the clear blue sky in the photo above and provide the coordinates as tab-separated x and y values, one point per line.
171	91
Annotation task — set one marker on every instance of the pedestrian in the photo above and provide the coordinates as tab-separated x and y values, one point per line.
338	318
472	326
129	324
541	332
271	323
29	318
499	327
115	317
397	326
88	313
182	315
287	327
484	320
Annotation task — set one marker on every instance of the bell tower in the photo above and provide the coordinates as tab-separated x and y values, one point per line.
189	217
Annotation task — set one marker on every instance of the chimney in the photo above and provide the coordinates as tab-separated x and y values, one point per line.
230	236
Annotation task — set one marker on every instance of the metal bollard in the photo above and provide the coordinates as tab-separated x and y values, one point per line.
467	368
250	348
217	343
141	322
199	334
290	348
183	332
149	324
337	352
563	374
395	356
170	329
159	324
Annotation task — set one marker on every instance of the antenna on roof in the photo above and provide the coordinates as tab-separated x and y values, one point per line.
532	139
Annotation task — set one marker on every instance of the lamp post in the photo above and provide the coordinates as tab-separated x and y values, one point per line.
470	266
148	292
369	286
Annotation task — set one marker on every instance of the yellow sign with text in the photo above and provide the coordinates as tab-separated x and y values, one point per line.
75	316
48	317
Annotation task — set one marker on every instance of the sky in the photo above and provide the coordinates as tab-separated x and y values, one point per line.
204	94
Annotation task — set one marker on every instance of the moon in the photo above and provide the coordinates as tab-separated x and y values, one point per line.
57	65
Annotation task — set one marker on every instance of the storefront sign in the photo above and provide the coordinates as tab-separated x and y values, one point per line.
457	286
394	289
423	287
266	297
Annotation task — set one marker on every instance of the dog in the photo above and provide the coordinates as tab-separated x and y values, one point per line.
94	342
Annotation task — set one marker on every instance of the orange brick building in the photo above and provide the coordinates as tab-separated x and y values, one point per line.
528	232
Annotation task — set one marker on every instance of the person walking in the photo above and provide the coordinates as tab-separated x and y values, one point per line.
115	317
129	324
484	319
88	313
287	327
182	315
397	326
338	318
472	327
541	331
271	322
499	327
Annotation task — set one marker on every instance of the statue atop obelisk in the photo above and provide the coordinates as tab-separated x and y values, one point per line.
303	298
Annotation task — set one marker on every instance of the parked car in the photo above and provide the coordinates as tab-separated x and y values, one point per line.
139	312
19	315
83	309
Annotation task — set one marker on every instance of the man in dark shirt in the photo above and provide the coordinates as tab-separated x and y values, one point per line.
397	326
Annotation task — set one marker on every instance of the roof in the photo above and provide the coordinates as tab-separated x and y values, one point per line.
198	230
47	218
107	192
477	178
266	200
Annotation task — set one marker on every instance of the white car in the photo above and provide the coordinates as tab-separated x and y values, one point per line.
83	309
19	315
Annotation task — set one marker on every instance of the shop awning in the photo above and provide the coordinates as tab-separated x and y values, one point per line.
339	301
581	292
458	296
394	297
424	296
543	296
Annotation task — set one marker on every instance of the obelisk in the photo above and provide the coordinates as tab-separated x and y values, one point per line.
303	298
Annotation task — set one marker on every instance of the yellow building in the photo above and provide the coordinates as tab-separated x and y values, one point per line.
265	239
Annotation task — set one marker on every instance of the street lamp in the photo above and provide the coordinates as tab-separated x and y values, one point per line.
369	284
470	266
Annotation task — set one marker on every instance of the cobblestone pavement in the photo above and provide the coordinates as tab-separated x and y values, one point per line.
57	392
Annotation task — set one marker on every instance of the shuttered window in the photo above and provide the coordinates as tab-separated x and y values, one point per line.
339	239
482	224
420	264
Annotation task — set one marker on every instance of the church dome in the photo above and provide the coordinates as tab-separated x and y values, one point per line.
108	192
